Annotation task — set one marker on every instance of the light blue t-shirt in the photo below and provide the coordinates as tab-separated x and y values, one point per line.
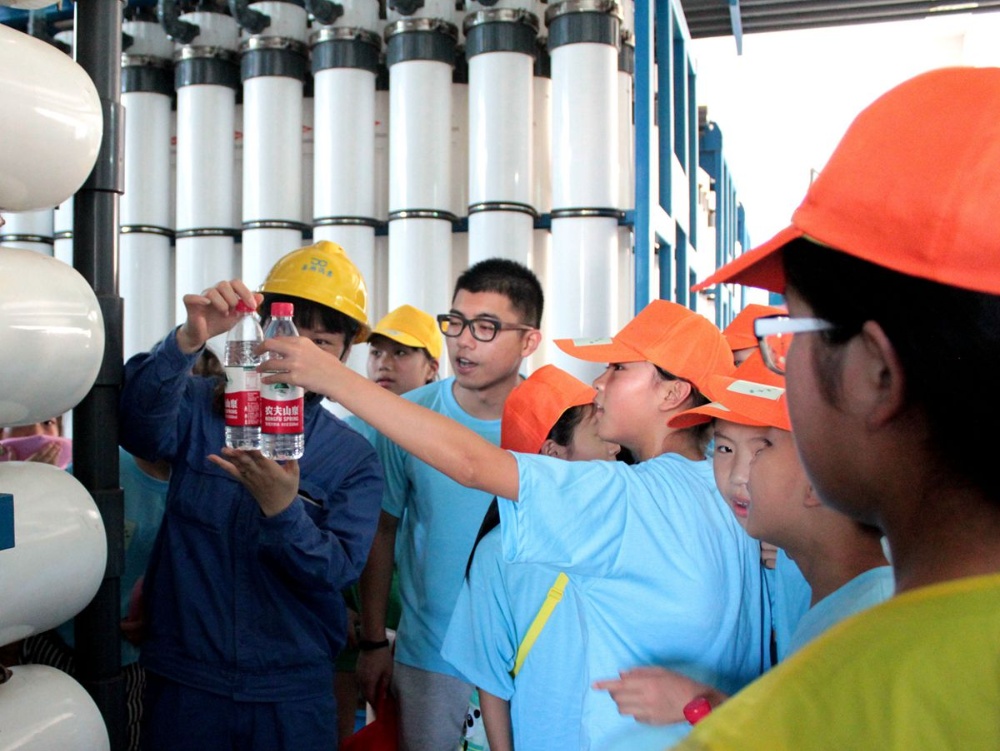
497	605
790	598
860	593
439	520
665	575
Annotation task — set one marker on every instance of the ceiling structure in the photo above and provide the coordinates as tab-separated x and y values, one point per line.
712	18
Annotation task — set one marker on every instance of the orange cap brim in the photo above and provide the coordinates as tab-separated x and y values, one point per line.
707	412
761	267
599	350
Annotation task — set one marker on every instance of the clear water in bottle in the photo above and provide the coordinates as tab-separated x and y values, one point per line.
242	398
282	405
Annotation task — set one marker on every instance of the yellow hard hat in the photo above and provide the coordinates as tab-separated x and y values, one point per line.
323	274
412	327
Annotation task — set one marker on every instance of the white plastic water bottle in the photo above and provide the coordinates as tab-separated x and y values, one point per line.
282	405
242	401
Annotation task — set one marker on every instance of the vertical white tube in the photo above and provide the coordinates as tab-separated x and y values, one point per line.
345	65
420	55
207	76
541	191
583	43
500	46
378	289
29	230
146	225
273	69
626	175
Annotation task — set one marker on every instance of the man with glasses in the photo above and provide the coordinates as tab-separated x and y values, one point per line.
491	327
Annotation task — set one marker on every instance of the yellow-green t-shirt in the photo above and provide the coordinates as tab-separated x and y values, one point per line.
921	671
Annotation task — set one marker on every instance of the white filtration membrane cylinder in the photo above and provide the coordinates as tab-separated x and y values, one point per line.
146	279
29	230
146	200
50	123
504	234
381	167
51	334
262	248
201	262
500	127
459	152
420	94
344	110
584	281
43	709
626	278
206	121
59	554
541	251
541	140
272	149
420	266
584	126
626	143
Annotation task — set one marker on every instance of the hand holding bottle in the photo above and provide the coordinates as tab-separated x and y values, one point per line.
273	485
212	312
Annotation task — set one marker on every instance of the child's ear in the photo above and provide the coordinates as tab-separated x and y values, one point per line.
551	448
676	394
811	499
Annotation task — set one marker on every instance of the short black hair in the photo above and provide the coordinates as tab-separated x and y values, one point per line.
313	315
947	340
509	278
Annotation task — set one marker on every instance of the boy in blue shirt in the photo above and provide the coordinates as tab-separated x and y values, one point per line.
491	327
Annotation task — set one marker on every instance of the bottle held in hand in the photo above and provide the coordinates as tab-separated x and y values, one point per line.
282	405
242	399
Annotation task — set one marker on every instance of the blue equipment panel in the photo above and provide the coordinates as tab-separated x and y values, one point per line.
6	521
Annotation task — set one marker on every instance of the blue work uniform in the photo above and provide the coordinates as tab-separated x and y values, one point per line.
240	605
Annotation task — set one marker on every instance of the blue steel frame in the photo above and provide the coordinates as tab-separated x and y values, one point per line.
663	53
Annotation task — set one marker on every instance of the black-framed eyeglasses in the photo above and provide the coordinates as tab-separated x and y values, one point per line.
774	336
483	329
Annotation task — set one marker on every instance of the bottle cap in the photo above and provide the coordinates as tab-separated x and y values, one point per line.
284	309
697	709
242	307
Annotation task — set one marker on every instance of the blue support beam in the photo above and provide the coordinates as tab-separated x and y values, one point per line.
736	24
6	521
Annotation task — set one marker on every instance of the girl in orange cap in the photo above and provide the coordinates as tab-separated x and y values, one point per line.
668	576
506	605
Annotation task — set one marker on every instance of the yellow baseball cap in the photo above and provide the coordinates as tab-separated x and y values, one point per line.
412	327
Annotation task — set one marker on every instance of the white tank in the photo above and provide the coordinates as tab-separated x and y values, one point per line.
51	334
51	123
42	709
59	555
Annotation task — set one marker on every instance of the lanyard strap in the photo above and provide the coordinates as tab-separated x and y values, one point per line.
551	600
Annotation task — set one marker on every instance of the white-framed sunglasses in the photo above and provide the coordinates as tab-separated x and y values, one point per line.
774	336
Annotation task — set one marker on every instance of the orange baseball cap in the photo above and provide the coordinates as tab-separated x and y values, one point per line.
911	187
754	395
666	334
536	405
739	332
412	327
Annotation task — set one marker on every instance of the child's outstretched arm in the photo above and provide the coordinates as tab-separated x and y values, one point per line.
447	446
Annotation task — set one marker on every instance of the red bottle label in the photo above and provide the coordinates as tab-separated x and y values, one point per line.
282	408
242	399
